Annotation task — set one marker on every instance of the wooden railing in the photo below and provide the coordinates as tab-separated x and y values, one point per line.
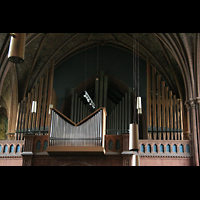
119	143
11	147
165	147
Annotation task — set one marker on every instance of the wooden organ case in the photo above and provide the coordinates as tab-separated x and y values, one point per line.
80	128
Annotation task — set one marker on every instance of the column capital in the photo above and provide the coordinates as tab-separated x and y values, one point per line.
192	103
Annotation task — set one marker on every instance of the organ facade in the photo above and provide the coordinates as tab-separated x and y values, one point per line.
67	129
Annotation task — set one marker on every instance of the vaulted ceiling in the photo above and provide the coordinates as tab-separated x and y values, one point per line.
171	54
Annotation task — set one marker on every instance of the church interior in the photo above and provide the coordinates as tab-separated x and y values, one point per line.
99	99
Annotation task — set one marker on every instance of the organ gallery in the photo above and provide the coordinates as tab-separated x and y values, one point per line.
99	99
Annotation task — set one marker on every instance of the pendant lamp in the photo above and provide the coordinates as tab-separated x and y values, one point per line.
133	137
139	105
17	47
34	106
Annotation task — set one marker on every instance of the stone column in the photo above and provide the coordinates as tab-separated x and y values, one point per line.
193	113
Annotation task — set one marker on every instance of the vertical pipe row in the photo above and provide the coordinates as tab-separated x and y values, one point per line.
164	114
90	131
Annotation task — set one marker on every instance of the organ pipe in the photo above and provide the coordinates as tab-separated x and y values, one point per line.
88	132
164	113
38	122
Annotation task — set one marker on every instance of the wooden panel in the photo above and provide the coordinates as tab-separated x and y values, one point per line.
75	149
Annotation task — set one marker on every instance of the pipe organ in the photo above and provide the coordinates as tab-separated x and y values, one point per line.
43	94
163	114
88	132
164	110
118	104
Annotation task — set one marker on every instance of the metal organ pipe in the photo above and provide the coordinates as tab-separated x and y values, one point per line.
88	133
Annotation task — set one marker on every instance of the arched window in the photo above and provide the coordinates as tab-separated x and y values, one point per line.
18	148
162	148
148	148
155	148
181	148
142	147
174	148
11	148
168	148
110	145
187	148
38	144
0	148
117	145
5	148
45	145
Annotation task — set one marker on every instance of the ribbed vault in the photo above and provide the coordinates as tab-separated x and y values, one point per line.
167	51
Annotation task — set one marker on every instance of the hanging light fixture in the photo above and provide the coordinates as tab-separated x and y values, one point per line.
17	47
133	137
139	105
34	107
133	127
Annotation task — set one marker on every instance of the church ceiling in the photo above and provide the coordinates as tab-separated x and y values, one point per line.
42	47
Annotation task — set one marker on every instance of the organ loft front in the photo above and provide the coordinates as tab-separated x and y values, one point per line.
99	104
